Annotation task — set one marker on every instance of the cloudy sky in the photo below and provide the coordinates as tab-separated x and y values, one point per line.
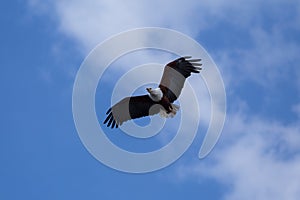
255	45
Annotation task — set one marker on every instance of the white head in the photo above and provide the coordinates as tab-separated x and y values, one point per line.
155	94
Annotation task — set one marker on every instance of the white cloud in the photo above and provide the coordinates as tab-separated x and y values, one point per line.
90	22
266	59
257	158
270	59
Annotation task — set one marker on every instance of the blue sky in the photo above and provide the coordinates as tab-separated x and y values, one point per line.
256	46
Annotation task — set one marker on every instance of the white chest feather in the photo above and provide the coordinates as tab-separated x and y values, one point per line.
156	94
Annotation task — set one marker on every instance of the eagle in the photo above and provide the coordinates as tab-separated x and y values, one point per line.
158	100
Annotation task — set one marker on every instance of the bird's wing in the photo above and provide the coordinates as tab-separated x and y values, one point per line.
175	74
130	108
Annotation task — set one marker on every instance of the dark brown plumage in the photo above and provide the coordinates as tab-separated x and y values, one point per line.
171	84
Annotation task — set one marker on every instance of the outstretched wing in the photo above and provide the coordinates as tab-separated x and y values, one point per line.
175	74
130	108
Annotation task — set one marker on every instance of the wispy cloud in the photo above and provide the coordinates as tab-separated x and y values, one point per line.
263	33
90	22
256	159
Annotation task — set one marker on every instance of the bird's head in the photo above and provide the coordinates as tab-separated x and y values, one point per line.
149	90
155	94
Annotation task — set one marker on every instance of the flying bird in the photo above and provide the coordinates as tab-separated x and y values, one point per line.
158	100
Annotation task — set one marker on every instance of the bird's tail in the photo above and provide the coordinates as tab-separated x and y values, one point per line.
173	112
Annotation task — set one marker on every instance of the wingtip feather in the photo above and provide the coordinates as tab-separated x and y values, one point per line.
108	111
196	64
195	60
107	118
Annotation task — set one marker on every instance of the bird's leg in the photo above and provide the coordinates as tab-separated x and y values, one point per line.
166	104
170	109
174	108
